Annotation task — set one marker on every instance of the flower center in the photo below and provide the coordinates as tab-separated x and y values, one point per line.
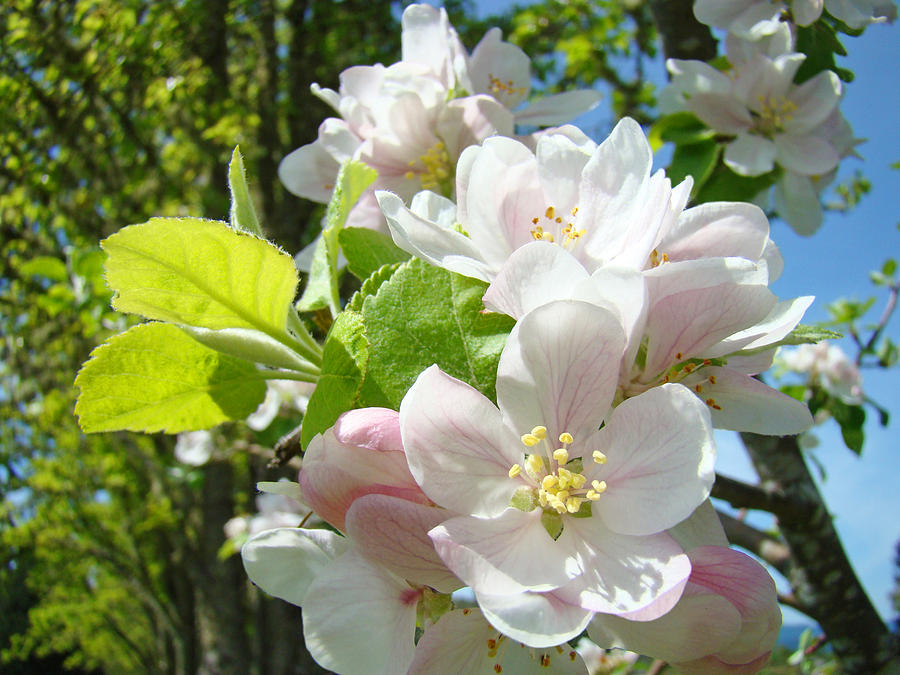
504	91
558	481
550	228
433	168
773	113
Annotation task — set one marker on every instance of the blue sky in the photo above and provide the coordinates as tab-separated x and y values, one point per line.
861	492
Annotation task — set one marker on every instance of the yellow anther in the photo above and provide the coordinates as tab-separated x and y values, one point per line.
535	220
549	213
574	210
530	440
593	495
549	482
578	481
409	175
540	432
599	457
599	486
712	379
514	470
562	494
573	504
561	455
534	465
566	437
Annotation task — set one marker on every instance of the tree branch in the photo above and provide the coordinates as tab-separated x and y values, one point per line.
683	37
767	547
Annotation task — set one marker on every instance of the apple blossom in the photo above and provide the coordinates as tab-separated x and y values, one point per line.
753	19
827	366
411	120
559	518
772	119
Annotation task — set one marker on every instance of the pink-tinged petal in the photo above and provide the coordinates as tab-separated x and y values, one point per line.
560	163
750	155
701	528
560	368
424	37
685	322
746	585
774	261
710	665
808	154
285	561
330	491
660	457
359	619
797	202
534	275
752	364
375	429
463	643
783	318
815	99
624	291
726	229
616	173
625	574
699	625
535	619
508	554
746	404
393	533
366	214
469	120
500	69
503	196
430	241
458	449
558	108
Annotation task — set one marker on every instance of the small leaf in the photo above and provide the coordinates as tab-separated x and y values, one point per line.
370	286
251	345
553	523
681	128
804	334
724	185
425	315
344	359
322	287
154	377
851	419
243	214
200	273
368	250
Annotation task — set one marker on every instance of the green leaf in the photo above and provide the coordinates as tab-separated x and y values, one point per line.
154	377
370	286
368	250
553	523
242	215
820	43
849	310
681	128
697	160
425	315
200	273
724	185
45	266
344	360
851	419
804	334
322	287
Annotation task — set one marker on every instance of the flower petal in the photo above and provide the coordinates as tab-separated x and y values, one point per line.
285	561
558	108
393	533
660	456
560	368
458	449
750	155
500	555
534	619
360	620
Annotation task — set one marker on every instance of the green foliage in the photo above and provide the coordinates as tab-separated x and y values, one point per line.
154	377
368	250
200	273
322	287
820	42
243	214
723	184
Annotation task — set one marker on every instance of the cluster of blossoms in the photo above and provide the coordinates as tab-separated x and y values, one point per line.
475	536
772	121
826	366
411	120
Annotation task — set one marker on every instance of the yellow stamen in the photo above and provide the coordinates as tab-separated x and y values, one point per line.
599	457
530	440
566	437
540	432
515	470
561	455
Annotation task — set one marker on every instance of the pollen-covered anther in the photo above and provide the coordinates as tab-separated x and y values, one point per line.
538	234
534	466
530	440
514	470
712	379
561	455
711	402
566	438
599	457
549	214
549	481
545	660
